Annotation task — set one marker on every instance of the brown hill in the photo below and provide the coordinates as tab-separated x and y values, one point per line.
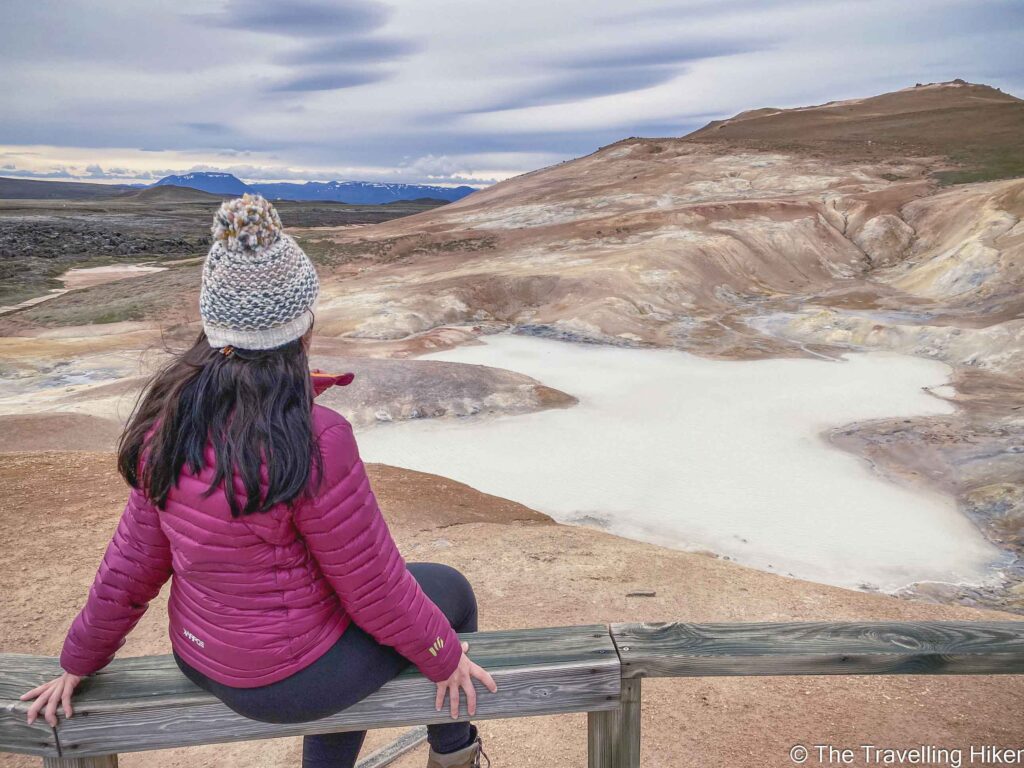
37	189
169	193
979	128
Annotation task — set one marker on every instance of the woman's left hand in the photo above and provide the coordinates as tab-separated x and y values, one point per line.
51	695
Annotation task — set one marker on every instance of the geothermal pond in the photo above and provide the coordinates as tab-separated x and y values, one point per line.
712	455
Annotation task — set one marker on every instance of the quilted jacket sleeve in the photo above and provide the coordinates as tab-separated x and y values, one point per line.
347	535
136	564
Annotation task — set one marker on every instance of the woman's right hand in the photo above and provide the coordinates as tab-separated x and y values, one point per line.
462	678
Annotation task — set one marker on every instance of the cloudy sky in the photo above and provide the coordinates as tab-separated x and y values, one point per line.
444	91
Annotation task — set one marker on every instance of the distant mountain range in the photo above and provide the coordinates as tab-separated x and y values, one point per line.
354	192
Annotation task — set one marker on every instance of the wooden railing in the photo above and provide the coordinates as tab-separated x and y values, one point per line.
143	703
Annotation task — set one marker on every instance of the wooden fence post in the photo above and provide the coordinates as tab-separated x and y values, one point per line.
613	736
99	761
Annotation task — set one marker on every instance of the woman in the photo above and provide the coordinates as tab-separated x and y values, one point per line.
290	600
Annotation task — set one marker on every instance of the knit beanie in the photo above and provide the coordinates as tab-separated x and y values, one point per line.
258	285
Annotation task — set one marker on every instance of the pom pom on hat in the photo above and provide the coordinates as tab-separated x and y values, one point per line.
248	222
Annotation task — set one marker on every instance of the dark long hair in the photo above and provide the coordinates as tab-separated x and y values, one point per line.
255	406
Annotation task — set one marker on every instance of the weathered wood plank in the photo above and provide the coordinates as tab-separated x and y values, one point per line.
101	761
677	649
146	703
18	736
579	661
147	681
16	677
387	754
613	736
539	690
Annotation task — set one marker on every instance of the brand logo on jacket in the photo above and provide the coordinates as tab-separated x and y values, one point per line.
437	646
194	639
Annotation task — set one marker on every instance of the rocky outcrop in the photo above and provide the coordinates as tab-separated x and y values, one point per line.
885	239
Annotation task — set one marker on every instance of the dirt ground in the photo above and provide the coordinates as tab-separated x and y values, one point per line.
59	509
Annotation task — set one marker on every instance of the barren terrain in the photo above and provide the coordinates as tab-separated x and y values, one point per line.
528	572
111	227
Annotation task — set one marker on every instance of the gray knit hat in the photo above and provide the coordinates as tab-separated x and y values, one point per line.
259	287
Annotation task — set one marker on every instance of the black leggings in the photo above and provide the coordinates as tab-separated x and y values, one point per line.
351	669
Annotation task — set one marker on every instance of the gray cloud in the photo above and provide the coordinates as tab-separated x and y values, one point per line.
335	40
123	38
424	170
57	173
303	18
444	140
207	128
330	79
360	50
607	71
677	51
585	84
696	9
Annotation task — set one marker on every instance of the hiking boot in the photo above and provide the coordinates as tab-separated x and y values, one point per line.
467	757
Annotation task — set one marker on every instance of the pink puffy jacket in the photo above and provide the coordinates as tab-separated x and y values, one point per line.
256	598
